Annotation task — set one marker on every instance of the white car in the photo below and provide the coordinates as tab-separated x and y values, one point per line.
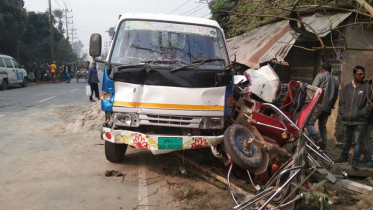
11	73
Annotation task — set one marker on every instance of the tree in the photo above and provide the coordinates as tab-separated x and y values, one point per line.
11	26
240	16
78	46
59	14
111	31
25	35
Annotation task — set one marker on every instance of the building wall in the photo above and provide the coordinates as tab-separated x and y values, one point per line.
356	37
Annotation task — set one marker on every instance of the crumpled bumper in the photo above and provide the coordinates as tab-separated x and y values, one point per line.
153	142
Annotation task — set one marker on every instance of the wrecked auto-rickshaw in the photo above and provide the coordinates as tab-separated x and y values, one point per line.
266	138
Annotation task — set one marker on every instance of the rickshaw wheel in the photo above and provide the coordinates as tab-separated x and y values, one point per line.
247	158
115	152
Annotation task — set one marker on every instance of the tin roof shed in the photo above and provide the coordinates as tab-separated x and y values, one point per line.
273	41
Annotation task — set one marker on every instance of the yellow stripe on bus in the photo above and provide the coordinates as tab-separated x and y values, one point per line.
169	106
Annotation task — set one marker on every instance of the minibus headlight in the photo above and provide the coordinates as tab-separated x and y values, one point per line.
212	123
129	120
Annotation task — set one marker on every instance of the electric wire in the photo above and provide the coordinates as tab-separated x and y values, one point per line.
161	5
91	28
197	10
191	9
90	33
58	4
208	12
68	2
179	7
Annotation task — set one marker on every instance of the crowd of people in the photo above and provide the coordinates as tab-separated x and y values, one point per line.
355	108
47	72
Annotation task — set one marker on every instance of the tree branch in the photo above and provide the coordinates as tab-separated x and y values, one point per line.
279	17
366	6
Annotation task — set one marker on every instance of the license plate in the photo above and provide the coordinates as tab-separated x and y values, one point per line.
170	143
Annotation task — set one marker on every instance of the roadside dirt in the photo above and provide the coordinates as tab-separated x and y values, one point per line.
187	191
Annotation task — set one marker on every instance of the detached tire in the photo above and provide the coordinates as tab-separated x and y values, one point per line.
246	158
115	152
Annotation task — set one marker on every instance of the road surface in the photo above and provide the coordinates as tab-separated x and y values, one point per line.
44	166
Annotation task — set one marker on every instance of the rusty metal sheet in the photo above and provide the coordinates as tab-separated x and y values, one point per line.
274	41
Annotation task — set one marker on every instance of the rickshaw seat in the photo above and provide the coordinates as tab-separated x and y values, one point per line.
293	89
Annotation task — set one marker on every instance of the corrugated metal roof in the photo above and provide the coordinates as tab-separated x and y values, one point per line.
274	41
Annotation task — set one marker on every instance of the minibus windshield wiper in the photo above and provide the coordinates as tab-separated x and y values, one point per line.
129	66
160	61
196	63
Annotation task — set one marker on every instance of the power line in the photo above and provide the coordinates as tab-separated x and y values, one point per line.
197	10
200	4
58	4
63	2
161	5
179	7
91	33
91	28
68	2
208	13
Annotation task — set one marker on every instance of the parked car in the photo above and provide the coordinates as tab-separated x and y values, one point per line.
11	73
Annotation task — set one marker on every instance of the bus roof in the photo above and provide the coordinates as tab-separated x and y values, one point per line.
171	18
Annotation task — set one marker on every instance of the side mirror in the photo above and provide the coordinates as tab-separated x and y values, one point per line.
95	45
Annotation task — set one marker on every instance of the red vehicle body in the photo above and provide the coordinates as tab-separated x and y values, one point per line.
266	137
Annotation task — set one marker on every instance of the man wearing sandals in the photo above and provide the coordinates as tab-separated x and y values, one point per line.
355	109
329	84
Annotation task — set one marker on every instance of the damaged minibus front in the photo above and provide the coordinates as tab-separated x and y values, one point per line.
167	84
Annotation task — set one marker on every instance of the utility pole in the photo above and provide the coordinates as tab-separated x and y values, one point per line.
51	30
66	20
107	45
73	36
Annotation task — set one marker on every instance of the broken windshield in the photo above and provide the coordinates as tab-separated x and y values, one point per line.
139	42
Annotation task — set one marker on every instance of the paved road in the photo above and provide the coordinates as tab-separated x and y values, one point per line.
42	95
42	167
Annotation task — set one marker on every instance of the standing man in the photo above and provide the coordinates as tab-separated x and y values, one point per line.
368	152
355	110
66	71
53	71
93	80
329	84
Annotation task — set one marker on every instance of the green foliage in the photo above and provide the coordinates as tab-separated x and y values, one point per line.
315	194
57	13
26	35
234	23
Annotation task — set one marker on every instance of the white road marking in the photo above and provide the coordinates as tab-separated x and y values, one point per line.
74	89
47	99
2	115
143	189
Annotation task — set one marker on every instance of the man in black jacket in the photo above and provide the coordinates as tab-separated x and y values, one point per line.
355	111
330	85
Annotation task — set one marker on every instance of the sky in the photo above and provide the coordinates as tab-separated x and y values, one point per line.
97	16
